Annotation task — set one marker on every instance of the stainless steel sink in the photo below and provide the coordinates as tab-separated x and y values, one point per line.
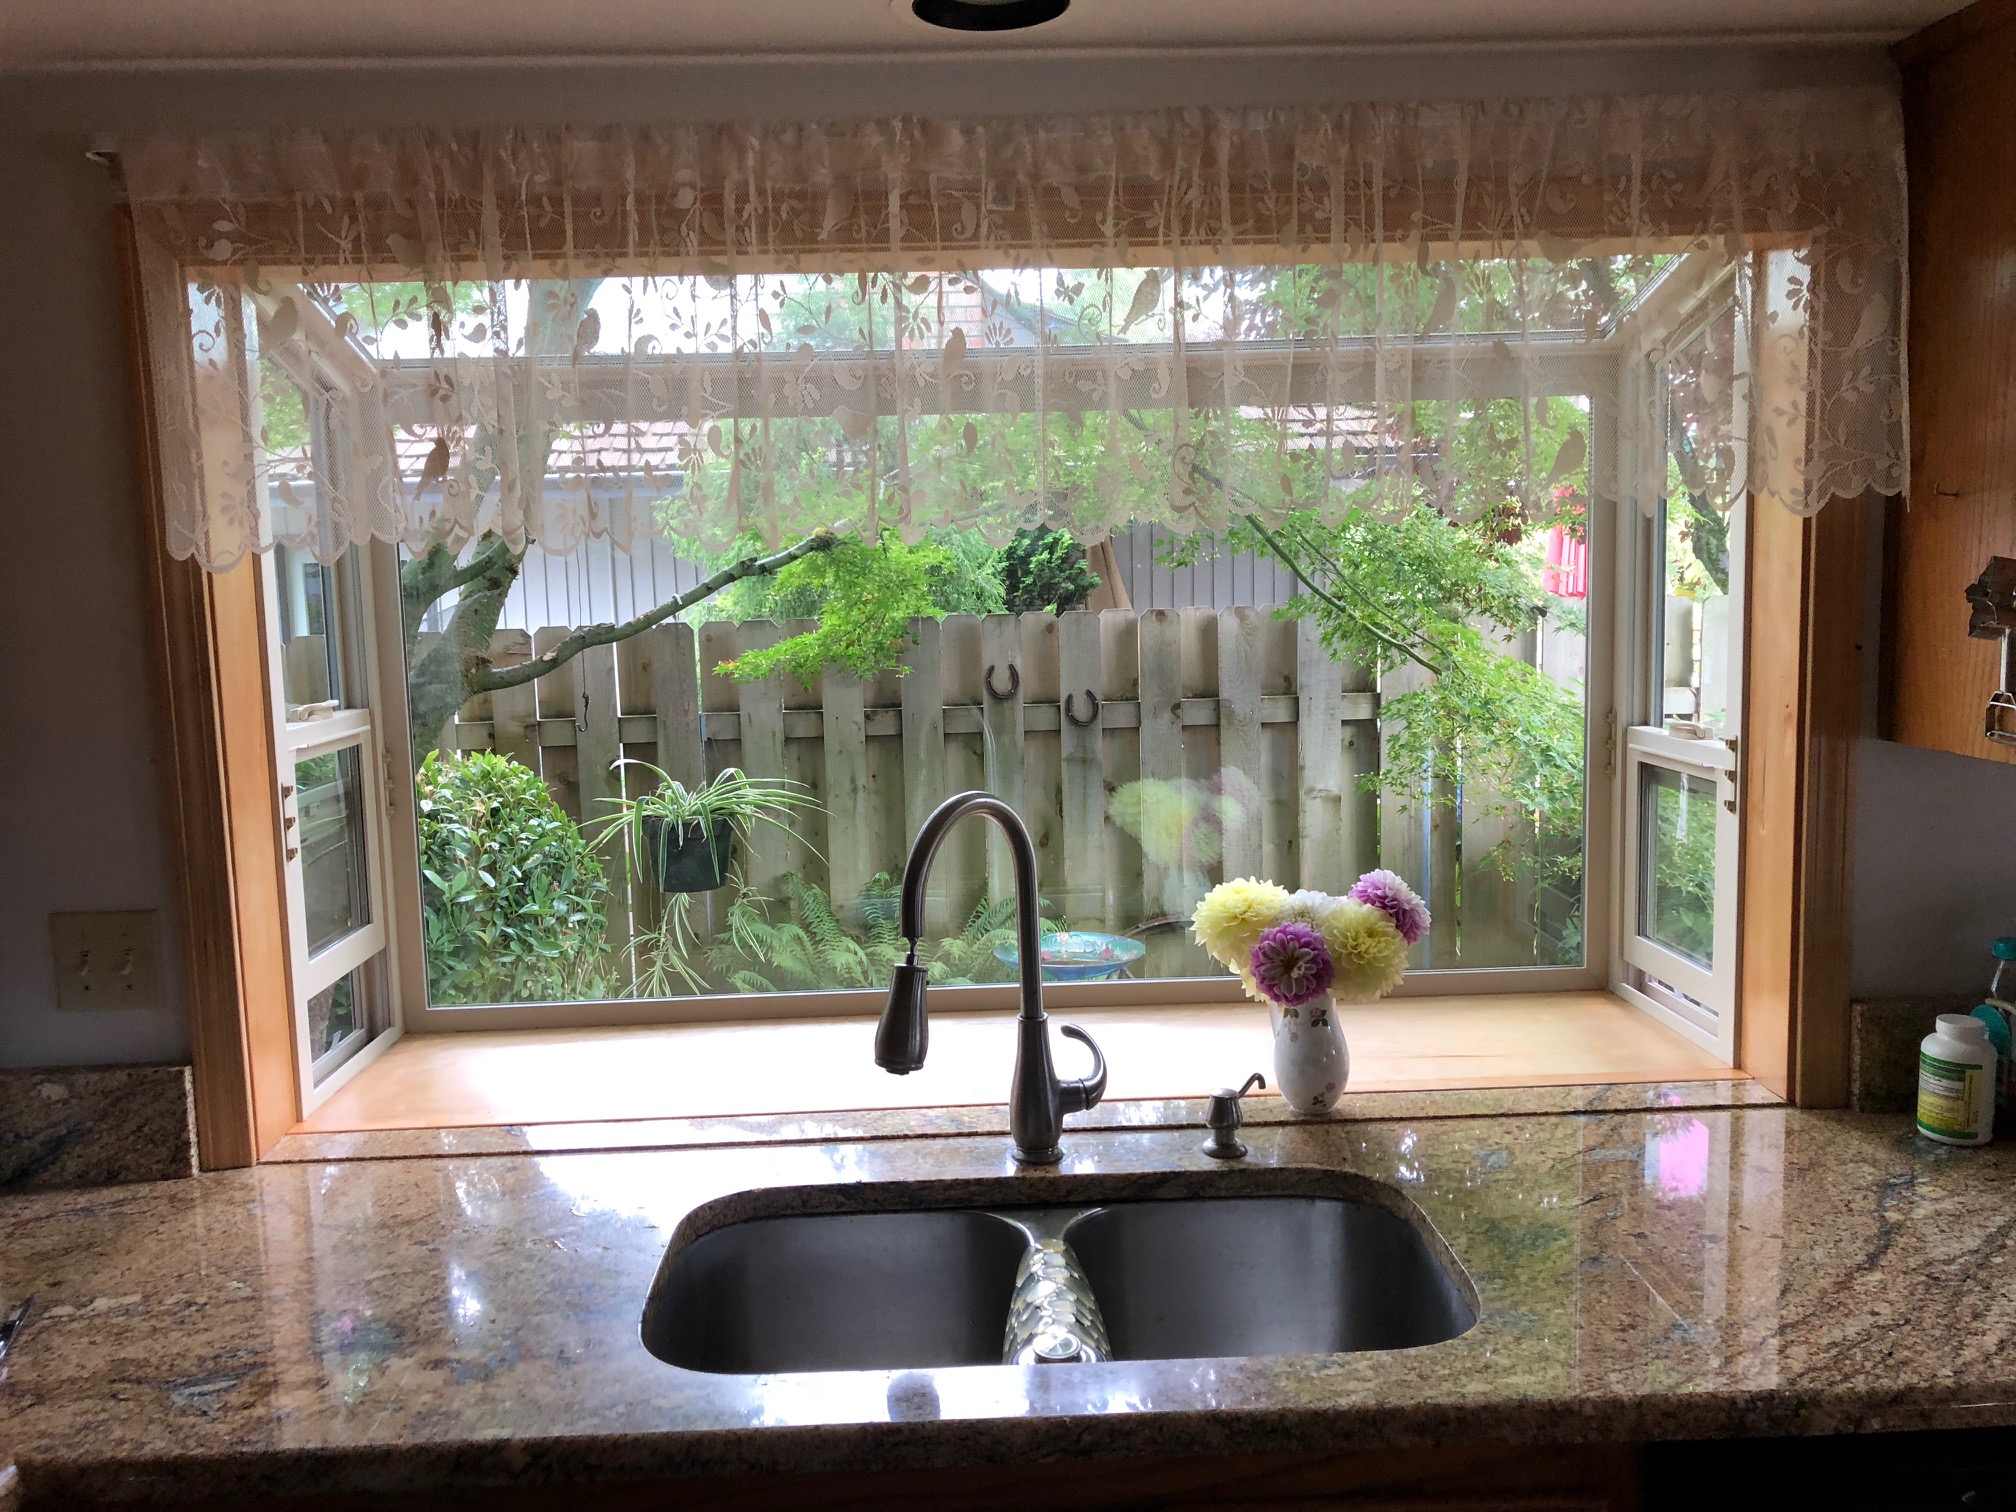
1263	1276
1178	1279
837	1291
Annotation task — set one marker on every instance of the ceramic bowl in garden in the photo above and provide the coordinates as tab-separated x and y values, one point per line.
1078	955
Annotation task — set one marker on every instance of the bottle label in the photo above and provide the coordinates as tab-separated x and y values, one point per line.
1949	1097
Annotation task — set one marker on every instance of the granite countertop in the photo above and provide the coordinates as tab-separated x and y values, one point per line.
363	1323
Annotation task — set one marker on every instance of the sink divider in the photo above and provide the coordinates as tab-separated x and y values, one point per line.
1053	1316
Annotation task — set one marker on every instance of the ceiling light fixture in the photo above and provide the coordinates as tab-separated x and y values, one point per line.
988	15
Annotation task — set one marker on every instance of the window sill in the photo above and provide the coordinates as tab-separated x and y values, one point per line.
611	1077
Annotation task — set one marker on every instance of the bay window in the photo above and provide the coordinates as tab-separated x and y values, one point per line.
1239	493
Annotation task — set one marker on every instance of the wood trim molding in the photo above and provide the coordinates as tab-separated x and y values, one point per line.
1803	715
1961	29
221	804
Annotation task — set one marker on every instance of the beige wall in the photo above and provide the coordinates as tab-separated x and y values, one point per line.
79	807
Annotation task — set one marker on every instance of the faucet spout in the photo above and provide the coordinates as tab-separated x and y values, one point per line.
1037	1100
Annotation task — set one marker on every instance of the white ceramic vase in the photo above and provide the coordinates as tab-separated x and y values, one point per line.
1312	1063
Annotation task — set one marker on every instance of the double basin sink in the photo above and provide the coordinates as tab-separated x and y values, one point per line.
1129	1280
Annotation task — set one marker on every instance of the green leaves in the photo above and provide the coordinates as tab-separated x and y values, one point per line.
866	596
732	797
801	943
513	897
1043	569
1439	596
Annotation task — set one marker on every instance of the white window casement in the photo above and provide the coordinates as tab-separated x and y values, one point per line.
1659	663
1678	737
331	767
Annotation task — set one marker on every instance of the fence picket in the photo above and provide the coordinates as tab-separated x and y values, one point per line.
1321	728
803	763
720	702
1040	751
1281	805
844	722
1082	773
1445	828
762	724
1001	725
1360	808
670	668
1201	847
923	694
600	780
514	712
886	834
1120	663
1403	828
1240	738
964	861
1163	883
557	699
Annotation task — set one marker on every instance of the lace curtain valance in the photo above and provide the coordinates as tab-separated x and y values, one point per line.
713	332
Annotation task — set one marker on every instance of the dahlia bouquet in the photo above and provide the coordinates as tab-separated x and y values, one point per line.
1292	948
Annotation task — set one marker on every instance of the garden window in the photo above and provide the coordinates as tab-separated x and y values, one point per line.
1270	493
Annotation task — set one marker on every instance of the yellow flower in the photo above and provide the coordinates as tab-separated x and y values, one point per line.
1367	950
1235	914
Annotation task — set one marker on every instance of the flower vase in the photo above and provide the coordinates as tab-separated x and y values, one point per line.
1312	1064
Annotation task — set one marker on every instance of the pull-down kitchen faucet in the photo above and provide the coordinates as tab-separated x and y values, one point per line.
1037	1100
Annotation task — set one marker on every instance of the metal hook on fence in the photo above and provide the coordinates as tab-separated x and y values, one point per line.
1014	681
1090	719
581	724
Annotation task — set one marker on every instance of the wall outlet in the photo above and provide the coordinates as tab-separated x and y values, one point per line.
106	960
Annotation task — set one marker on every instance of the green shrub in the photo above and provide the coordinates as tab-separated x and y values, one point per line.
514	897
1045	569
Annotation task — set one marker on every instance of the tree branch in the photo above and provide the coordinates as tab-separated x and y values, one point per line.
482	677
1340	607
1397	626
1356	616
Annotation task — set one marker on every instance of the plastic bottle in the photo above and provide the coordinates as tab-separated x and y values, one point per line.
1998	1012
1956	1082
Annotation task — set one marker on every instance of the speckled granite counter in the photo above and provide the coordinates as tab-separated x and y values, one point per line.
473	1319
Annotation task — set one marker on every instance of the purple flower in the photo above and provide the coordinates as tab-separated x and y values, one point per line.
1292	964
1385	891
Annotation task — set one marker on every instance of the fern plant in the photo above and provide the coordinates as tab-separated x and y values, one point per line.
799	943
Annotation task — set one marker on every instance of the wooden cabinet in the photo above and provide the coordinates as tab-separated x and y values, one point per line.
1959	85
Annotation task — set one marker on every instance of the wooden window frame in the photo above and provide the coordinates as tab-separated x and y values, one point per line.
223	811
220	807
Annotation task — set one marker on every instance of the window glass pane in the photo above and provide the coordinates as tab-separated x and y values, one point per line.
347	1015
1676	850
1704	481
321	654
329	796
1392	676
309	660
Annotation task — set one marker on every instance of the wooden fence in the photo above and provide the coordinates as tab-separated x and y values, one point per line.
1152	754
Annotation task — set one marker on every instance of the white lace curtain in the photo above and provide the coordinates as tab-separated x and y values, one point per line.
723	332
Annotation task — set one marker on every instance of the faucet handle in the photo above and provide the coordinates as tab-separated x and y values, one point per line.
1224	1119
1077	1096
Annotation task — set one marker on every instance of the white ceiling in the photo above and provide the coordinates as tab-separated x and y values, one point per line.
43	32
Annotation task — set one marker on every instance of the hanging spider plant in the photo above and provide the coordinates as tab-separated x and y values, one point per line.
682	837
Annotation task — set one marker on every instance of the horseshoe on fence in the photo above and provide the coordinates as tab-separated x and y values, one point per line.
1090	719
1014	682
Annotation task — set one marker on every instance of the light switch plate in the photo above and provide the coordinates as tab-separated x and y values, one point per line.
106	960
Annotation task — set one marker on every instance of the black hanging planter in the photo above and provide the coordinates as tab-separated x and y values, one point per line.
688	858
